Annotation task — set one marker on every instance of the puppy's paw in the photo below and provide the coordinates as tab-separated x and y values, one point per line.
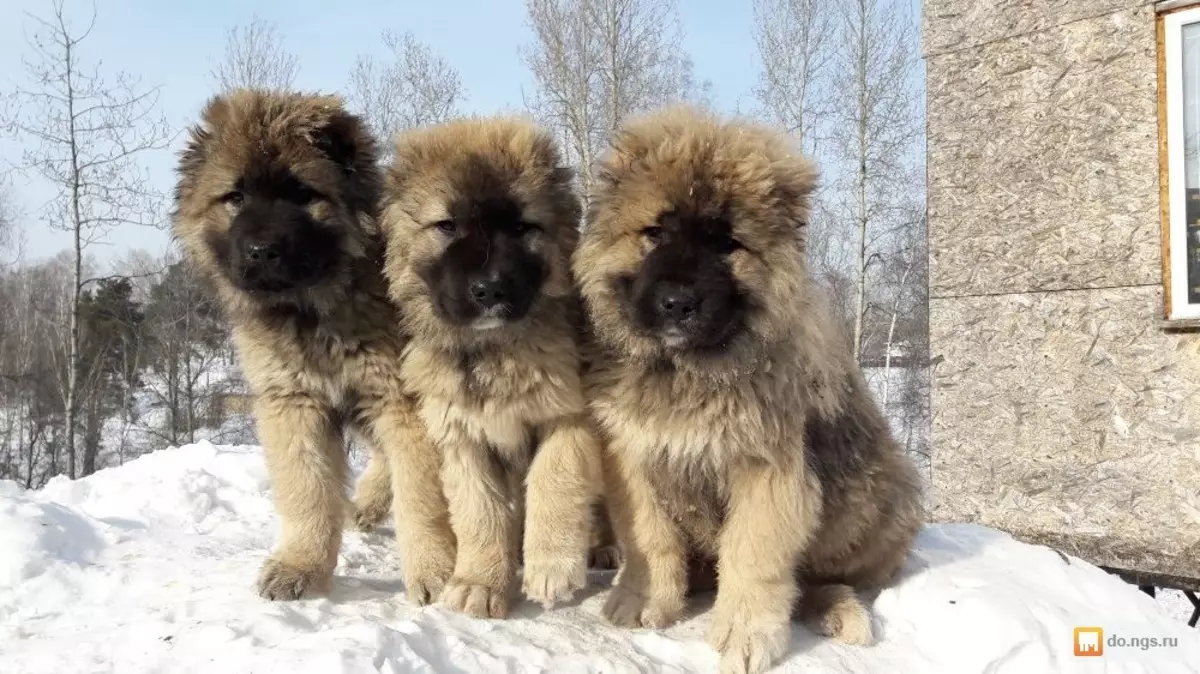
604	557
747	645
628	608
367	517
278	581
551	580
849	623
424	586
426	569
837	612
479	601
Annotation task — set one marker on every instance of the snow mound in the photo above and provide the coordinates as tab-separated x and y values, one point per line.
150	567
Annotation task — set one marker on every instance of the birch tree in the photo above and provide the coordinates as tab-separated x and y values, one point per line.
795	41
795	46
412	87
184	337
12	237
877	126
89	133
255	58
7	226
595	62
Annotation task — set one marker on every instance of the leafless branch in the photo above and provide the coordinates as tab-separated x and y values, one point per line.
90	133
795	40
596	62
255	58
411	87
876	119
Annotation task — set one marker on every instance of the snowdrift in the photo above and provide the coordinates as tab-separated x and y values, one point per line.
150	567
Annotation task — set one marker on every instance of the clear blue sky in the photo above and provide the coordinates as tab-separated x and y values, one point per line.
175	44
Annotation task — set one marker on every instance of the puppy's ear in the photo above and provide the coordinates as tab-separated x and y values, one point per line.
200	136
216	112
796	178
195	150
409	150
562	175
345	140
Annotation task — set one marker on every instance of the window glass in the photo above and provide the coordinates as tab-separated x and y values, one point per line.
1191	144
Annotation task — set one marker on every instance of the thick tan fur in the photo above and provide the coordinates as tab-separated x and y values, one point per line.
504	405
330	368
771	456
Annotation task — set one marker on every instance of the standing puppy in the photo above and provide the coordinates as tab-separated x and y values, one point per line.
481	223
276	205
739	426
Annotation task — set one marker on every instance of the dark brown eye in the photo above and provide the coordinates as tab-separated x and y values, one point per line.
728	244
234	198
306	195
653	234
446	227
522	228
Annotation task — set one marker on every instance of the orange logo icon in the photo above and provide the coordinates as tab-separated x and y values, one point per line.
1089	641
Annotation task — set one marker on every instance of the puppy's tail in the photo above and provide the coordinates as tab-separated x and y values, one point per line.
837	612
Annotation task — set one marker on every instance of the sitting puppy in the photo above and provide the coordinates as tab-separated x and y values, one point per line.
737	425
276	207
480	222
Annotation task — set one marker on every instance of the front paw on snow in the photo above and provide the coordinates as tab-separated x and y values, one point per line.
479	601
279	581
551	580
626	607
746	647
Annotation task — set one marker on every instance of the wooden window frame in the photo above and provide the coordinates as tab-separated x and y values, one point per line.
1174	5
1172	168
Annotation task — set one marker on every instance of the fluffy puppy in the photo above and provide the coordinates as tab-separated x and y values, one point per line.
737	424
276	206
481	222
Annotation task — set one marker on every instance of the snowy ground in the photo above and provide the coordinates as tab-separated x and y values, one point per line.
149	567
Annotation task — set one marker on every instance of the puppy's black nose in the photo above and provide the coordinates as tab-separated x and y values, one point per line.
259	253
678	302
488	292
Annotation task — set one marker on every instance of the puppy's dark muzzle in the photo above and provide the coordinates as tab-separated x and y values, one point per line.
491	293
268	266
677	305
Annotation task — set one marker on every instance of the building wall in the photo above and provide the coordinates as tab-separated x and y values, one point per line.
1063	411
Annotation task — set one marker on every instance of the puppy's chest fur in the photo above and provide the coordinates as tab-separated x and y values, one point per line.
349	361
686	434
497	396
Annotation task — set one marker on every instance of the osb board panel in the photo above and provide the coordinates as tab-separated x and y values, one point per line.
1070	414
1115	553
961	24
1043	160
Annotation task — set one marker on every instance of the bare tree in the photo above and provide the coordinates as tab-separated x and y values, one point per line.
7	225
795	46
33	300
597	61
12	235
877	125
91	133
185	338
255	57
565	61
413	87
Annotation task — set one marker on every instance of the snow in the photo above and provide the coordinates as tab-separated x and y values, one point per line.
150	567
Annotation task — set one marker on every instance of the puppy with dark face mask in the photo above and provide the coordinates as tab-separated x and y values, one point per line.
276	206
481	222
738	427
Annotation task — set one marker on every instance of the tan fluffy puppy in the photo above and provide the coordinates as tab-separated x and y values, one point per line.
481	222
739	426
276	206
